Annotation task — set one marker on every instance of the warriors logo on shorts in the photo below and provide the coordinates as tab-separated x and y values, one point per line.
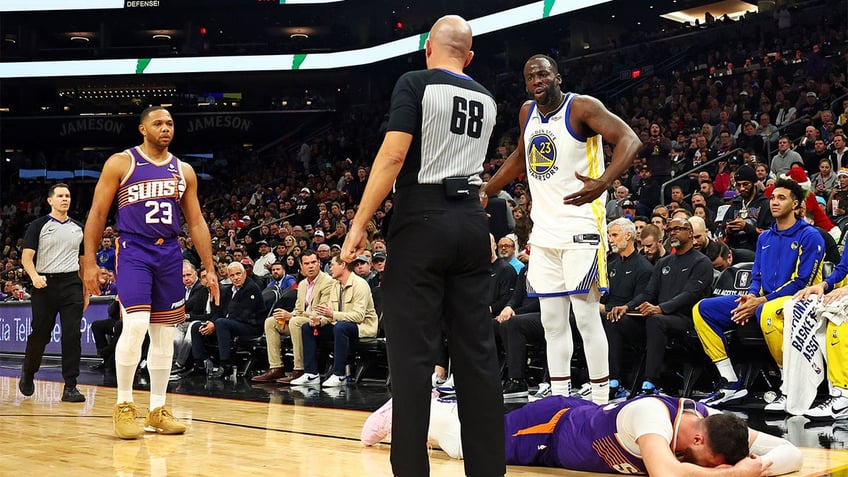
541	156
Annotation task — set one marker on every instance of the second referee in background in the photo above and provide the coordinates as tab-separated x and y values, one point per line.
51	257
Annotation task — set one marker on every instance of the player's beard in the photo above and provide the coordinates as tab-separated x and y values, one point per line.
549	96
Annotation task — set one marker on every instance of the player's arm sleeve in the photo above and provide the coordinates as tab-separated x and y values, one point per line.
784	456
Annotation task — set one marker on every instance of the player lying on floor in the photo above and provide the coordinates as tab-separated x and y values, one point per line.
657	435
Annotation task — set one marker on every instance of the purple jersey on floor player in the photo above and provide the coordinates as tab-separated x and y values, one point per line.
575	434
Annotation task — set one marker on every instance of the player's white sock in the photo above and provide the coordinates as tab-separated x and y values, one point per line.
128	351
561	387
725	369
600	392
159	359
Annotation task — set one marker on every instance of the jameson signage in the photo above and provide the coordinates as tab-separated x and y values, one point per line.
116	126
120	131
84	125
219	121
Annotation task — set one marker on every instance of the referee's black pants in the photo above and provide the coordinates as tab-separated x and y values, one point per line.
437	278
62	295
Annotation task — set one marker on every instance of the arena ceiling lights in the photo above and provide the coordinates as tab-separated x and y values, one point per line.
316	61
733	8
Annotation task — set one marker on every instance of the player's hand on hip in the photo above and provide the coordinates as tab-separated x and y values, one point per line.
592	189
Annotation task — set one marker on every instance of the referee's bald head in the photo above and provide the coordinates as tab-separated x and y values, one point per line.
449	40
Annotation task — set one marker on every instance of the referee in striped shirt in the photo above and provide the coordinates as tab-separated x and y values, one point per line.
437	139
51	257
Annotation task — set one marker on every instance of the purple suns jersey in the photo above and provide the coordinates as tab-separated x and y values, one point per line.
149	197
579	435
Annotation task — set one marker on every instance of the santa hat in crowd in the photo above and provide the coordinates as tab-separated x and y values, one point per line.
797	174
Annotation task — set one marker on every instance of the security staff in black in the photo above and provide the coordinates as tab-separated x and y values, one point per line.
438	275
51	258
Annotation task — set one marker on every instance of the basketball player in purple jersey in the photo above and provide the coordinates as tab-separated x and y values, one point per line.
152	187
656	435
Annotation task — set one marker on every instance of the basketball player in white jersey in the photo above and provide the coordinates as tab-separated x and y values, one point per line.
561	151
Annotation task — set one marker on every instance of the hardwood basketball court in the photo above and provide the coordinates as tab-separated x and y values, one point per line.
42	436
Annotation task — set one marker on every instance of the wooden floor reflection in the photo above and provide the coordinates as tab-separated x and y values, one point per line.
42	436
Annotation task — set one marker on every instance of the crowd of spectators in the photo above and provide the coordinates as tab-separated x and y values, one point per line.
719	127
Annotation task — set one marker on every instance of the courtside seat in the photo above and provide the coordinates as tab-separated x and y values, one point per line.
370	353
684	353
251	351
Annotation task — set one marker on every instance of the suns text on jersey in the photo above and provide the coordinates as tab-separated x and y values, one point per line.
153	189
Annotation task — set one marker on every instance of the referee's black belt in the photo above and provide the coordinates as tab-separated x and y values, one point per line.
60	275
444	191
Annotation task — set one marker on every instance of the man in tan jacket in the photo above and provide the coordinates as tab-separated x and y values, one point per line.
317	288
350	315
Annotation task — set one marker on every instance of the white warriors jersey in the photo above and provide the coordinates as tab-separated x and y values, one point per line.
554	153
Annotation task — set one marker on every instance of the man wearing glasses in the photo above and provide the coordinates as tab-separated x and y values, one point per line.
506	251
664	308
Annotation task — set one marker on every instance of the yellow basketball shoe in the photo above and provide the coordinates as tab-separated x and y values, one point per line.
162	421
125	419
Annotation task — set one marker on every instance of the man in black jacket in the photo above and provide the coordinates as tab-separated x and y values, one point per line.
748	215
197	308
520	322
240	314
648	193
502	282
628	272
305	210
677	282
